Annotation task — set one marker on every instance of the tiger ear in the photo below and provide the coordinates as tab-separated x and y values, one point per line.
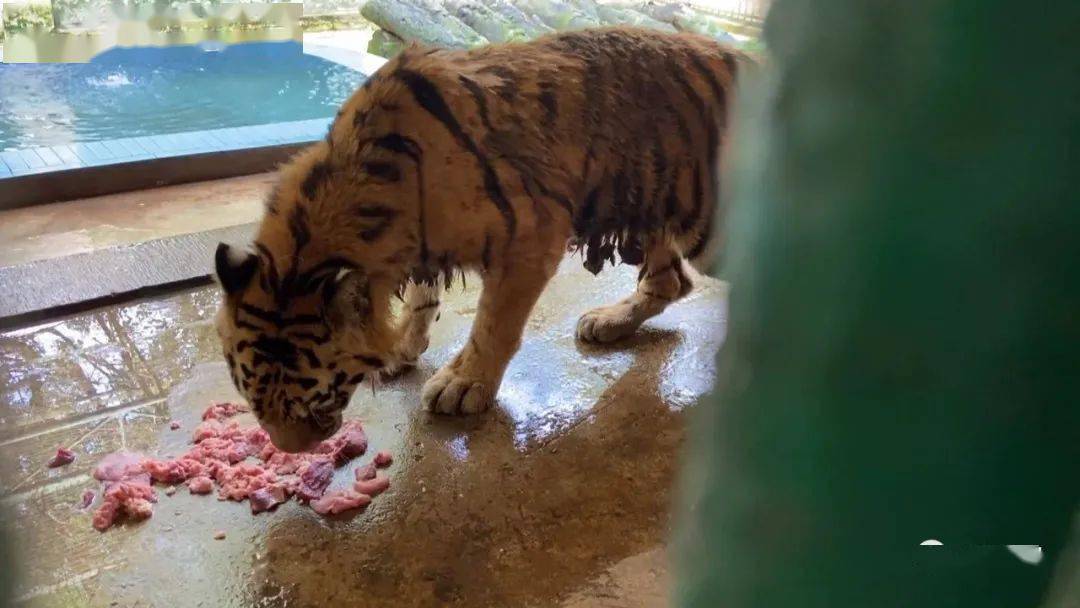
234	267
348	299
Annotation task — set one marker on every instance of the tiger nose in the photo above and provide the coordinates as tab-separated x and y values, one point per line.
294	439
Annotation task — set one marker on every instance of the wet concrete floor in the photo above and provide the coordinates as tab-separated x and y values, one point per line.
560	497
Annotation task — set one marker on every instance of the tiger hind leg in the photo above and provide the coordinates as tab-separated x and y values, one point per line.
419	311
660	282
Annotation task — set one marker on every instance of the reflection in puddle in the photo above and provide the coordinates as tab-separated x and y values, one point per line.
459	447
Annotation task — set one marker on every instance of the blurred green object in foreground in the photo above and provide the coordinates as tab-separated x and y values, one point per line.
903	357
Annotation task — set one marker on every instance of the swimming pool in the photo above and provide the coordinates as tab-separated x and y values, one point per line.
146	91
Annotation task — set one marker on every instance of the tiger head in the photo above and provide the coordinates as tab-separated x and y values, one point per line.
306	315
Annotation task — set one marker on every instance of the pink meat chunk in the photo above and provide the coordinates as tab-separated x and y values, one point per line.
349	442
219	411
315	476
200	485
372	487
365	472
231	451
173	471
339	501
87	499
174	425
63	457
119	466
257	438
239	481
383	459
124	498
265	499
222	454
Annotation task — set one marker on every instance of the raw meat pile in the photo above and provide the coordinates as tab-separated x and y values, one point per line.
244	465
63	457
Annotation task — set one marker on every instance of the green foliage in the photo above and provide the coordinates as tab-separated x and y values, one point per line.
28	17
325	23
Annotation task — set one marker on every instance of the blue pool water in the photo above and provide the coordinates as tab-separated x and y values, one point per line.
131	92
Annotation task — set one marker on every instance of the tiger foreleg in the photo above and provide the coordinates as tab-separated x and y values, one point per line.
469	383
419	310
662	282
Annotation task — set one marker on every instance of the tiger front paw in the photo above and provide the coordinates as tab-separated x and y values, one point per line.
608	324
452	391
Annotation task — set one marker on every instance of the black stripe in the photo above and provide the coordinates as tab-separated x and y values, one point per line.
620	193
298	226
271	266
479	98
703	111
713	148
301	234
585	216
499	70
400	144
719	98
339	379
671	201
708	76
258	313
276	319
732	65
660	171
310	337
322	269
594	105
320	172
271	201
305	383
427	95
397	143
485	256
699	245
379	218
376	231
508	89
550	101
704	234
532	182
245	325
376	212
497	139
381	171
309	354
375	362
426	306
274	351
691	218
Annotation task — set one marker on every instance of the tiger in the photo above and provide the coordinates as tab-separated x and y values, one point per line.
496	160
